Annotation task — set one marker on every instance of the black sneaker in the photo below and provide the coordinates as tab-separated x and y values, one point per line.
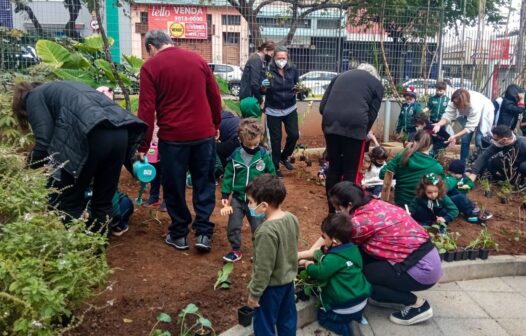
411	315
287	164
279	174
179	243
203	243
119	230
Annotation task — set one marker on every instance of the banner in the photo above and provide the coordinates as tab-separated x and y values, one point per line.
185	22
499	49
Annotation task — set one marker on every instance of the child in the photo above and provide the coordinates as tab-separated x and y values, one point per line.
155	185
345	290
275	266
436	106
324	169
247	162
458	185
371	180
431	204
122	209
439	139
409	110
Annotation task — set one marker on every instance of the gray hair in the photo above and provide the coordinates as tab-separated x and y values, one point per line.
157	38
281	49
370	69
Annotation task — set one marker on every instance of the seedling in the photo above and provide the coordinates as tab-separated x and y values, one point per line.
201	326
505	191
162	317
485	184
223	276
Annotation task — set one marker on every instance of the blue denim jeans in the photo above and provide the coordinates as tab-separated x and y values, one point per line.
338	323
198	157
155	185
461	200
277	310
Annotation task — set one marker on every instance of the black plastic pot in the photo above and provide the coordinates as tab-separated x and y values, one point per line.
504	200
458	255
465	255
442	256
301	295
483	254
488	193
449	256
472	254
244	316
203	331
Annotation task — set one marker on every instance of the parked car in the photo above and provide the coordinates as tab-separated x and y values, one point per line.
317	81
425	87
231	73
455	83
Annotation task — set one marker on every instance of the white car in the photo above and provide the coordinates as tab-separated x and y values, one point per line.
317	81
231	73
425	87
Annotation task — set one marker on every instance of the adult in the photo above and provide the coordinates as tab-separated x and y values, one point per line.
280	108
470	108
228	136
506	153
254	72
349	108
398	256
85	136
178	89
512	106
409	165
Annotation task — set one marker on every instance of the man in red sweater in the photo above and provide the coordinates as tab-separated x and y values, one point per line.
178	89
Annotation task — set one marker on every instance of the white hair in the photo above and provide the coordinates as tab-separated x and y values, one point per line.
369	68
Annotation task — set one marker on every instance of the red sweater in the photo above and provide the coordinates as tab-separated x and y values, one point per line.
178	85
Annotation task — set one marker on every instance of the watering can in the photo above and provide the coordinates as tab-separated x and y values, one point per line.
145	173
153	153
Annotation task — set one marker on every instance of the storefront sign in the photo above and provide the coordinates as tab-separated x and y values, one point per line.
499	49
179	21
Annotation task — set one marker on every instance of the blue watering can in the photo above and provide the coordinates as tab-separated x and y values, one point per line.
145	173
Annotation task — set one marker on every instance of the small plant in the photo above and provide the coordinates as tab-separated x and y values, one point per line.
200	326
505	191
486	240
305	286
445	242
223	276
162	317
485	184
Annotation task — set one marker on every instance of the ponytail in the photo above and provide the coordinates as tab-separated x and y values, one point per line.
421	142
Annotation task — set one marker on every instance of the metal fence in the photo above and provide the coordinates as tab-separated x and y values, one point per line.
409	46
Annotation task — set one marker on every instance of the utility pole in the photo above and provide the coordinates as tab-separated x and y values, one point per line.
519	49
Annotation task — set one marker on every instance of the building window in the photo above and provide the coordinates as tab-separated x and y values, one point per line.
231	38
144	17
231	20
281	22
328	23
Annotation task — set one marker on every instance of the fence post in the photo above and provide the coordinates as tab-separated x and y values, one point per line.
387	119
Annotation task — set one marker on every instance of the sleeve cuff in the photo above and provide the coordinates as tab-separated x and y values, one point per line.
225	195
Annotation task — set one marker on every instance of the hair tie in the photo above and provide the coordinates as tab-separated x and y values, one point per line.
433	178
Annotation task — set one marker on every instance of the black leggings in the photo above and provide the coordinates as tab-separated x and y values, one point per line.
107	150
345	158
290	121
388	286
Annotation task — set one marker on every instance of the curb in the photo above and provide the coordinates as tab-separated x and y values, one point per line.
497	266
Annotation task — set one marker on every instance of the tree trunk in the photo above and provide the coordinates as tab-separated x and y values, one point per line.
73	7
519	60
21	7
107	55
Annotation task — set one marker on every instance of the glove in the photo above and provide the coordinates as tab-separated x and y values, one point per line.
265	83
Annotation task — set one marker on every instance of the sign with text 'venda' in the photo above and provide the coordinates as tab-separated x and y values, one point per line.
185	22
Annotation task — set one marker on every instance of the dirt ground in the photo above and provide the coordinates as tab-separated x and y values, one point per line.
150	277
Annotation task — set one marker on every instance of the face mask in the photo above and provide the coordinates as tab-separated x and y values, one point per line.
268	58
250	151
281	63
254	214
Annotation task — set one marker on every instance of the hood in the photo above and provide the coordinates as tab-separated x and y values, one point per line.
421	161
512	91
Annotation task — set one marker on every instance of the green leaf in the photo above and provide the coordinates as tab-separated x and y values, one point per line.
52	53
133	63
163	317
76	75
106	68
76	61
134	104
93	44
223	275
205	322
190	309
124	79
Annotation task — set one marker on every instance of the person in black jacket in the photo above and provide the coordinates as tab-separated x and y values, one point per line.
512	106
85	136
349	108
228	139
254	72
280	107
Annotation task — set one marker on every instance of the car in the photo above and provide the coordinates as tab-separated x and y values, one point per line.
425	87
457	83
317	81
230	73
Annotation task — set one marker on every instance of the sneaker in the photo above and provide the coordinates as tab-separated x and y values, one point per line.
472	219
279	174
203	243
119	230
287	164
389	305
162	208
411	315
179	243
476	211
233	256
485	216
151	203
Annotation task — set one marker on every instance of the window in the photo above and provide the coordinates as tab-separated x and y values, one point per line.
328	23
144	17
281	22
231	38
222	68
231	20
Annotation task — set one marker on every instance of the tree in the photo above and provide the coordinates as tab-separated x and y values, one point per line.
73	7
22	6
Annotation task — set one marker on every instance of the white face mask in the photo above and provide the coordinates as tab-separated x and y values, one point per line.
281	63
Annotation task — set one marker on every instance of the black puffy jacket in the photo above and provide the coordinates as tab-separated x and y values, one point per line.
350	104
509	111
280	94
62	114
253	75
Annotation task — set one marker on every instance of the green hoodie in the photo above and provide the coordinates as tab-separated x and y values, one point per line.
340	270
463	184
407	177
437	106
405	118
238	174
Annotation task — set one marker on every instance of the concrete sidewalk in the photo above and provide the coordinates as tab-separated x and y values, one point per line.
492	307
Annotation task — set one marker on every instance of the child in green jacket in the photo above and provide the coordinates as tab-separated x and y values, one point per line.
432	205
344	290
409	110
436	106
246	163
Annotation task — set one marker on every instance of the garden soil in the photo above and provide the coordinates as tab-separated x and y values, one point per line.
150	277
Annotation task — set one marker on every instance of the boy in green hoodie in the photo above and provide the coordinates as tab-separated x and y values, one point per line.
246	163
436	106
409	110
344	289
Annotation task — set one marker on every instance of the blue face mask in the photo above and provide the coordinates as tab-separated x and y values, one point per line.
254	214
